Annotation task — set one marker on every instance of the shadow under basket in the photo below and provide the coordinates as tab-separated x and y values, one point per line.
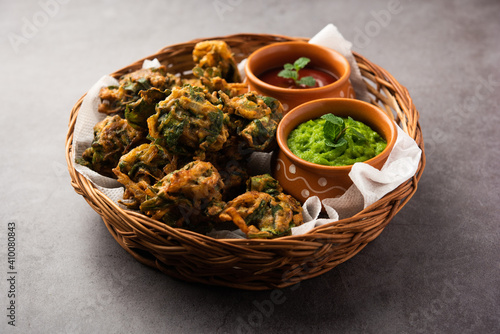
243	263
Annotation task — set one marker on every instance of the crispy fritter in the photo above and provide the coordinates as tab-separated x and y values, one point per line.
232	166
187	196
141	167
261	215
147	161
264	183
186	123
259	134
249	106
139	111
253	118
114	99
113	137
215	59
157	77
217	84
135	192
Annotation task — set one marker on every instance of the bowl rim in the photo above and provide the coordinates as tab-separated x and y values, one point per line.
283	145
251	76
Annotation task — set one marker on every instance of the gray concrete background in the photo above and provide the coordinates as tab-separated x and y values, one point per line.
435	268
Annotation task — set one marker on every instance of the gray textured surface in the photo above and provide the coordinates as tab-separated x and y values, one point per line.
435	268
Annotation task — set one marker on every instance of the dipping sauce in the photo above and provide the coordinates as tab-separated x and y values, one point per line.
308	142
322	78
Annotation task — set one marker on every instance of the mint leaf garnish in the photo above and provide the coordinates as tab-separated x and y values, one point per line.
301	63
307	81
335	129
291	71
288	74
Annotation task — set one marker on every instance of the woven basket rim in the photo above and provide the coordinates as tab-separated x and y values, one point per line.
281	240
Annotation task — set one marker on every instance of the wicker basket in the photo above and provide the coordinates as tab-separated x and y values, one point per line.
254	264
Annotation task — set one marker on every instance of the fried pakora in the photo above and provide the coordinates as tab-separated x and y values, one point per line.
138	112
261	215
186	123
113	137
147	161
216	69
187	197
114	99
215	59
217	84
142	166
264	183
253	118
232	166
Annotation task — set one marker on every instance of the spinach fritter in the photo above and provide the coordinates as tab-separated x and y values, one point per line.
259	214
189	197
186	123
138	112
253	118
215	59
114	99
113	137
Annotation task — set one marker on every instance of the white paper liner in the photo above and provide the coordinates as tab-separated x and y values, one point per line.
330	37
369	185
88	117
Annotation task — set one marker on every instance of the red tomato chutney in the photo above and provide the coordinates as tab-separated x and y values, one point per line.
322	78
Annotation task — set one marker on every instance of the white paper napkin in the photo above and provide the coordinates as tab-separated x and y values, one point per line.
330	37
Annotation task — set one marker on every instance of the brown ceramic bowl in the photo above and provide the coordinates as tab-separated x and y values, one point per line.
303	179
277	54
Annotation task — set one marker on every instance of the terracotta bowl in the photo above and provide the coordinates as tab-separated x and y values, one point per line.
303	179
277	54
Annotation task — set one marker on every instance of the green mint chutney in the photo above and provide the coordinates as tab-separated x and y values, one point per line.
308	141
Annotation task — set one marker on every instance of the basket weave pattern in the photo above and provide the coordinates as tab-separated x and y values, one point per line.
254	264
